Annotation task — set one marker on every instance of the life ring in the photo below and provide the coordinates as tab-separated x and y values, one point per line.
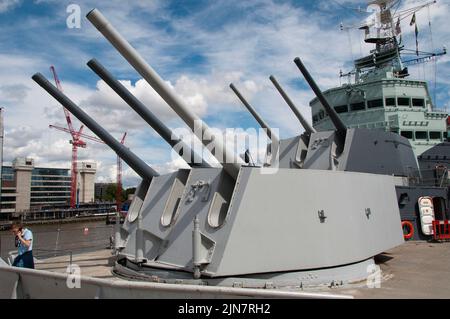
410	229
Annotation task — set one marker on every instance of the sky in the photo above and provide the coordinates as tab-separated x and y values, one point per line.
198	47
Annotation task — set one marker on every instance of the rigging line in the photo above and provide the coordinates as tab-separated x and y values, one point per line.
396	9
352	10
424	72
432	50
350	44
417	8
413	52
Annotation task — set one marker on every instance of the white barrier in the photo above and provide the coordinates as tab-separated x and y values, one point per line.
41	284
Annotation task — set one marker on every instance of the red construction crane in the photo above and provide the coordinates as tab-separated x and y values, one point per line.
119	161
77	142
119	177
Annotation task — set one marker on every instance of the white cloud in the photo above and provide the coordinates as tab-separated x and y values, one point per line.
233	47
6	5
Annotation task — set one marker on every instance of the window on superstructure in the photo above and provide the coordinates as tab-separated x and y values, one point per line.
390	101
421	135
403	101
375	103
418	102
315	118
407	134
358	106
435	135
341	108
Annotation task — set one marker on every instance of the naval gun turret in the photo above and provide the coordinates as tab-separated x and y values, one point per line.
248	226
347	149
373	151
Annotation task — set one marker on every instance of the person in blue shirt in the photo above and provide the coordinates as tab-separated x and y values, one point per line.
24	244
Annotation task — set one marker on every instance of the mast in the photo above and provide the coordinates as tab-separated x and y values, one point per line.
382	28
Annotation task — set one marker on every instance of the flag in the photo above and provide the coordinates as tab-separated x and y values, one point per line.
397	27
413	19
416	31
417	41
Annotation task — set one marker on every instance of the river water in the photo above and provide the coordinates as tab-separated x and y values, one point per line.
61	239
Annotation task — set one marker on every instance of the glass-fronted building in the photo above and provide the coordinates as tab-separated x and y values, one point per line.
26	187
49	186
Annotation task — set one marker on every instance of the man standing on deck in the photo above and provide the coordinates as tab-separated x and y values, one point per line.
24	244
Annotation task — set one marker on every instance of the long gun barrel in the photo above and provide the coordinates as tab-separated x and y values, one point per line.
138	165
230	162
255	114
308	128
165	132
341	128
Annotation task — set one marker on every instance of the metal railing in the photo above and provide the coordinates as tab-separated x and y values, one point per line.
59	241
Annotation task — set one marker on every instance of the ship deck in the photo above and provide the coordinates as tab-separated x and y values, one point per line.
416	269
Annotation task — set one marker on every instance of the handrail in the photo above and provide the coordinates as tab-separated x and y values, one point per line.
158	289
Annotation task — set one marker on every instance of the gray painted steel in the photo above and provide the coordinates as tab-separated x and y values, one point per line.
434	165
293	151
138	165
165	132
269	228
342	276
168	95
364	150
308	128
341	128
255	114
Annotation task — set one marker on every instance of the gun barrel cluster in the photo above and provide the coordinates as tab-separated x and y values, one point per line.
230	162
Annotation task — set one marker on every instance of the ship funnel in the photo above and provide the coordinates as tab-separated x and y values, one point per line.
138	165
308	128
255	114
165	132
230	162
341	128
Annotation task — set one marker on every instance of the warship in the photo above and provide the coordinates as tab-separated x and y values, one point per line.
322	205
238	225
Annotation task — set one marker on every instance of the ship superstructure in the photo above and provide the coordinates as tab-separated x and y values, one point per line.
382	96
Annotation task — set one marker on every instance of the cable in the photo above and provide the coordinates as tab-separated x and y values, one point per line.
432	50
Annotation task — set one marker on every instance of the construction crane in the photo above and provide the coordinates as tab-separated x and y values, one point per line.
119	160
77	142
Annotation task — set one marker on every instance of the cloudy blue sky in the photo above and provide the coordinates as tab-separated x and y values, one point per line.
199	47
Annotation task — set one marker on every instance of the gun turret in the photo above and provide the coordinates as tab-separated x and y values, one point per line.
308	128
255	114
230	162
165	132
341	128
138	165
